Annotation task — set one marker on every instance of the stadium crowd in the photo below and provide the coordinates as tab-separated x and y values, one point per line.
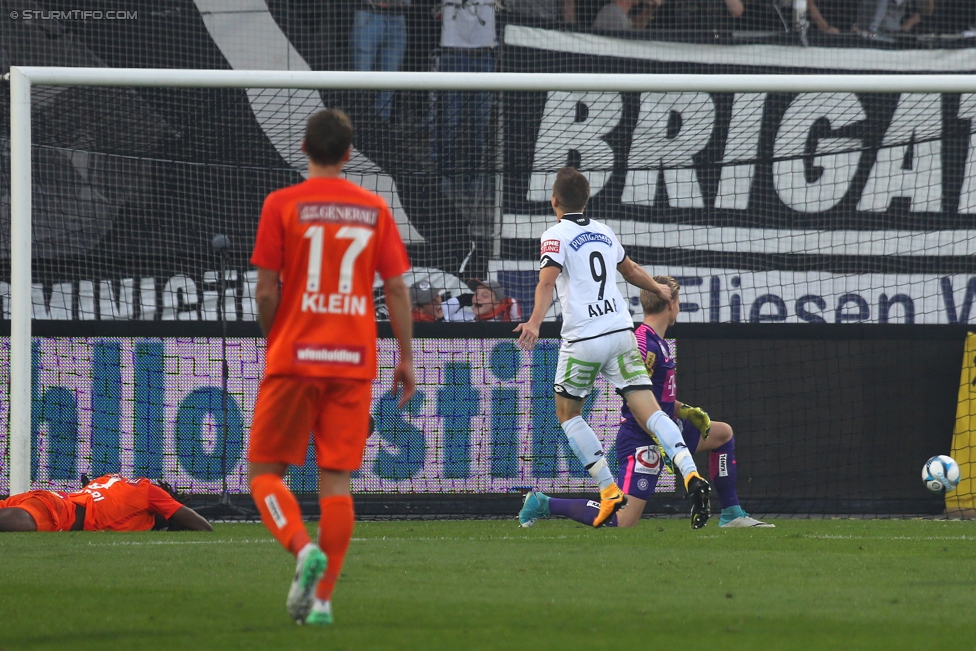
461	35
449	132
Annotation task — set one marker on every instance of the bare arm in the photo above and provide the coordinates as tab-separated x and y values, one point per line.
910	23
634	274
268	296
735	7
818	18
647	13
186	519
529	331
925	8
398	304
569	11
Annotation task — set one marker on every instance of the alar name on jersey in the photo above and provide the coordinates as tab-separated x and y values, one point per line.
602	307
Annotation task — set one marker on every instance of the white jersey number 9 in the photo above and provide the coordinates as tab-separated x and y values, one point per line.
599	275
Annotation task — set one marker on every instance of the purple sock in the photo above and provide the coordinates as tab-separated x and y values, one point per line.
583	511
721	467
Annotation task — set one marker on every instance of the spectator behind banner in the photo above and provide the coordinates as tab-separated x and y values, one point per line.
817	18
467	45
699	15
426	302
491	303
768	15
378	42
876	17
615	16
552	13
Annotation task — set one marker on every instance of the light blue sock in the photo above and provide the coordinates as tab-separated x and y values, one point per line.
586	446
669	436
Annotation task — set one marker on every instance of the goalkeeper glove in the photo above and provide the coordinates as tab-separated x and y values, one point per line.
698	417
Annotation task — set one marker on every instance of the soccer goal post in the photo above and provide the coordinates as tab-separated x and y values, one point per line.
670	172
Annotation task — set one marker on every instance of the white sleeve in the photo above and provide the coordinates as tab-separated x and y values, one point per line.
553	251
618	248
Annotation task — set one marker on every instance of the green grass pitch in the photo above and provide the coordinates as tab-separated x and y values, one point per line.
808	584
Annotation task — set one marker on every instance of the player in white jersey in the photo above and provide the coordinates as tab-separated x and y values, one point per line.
578	259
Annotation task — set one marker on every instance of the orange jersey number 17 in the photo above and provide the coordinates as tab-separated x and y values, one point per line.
313	282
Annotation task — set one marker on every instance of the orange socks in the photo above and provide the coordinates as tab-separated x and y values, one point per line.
280	512
283	518
335	532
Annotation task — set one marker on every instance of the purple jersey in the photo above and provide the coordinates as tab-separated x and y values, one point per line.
638	456
659	361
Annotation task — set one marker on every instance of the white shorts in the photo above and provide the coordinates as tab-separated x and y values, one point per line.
614	355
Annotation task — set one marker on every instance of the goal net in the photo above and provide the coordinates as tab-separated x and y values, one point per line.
783	199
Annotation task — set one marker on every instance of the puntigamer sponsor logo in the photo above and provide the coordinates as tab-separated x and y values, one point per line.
337	213
318	354
586	238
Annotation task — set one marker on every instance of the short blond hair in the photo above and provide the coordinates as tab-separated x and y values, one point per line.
654	304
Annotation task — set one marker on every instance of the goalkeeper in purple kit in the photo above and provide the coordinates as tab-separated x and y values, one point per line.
639	457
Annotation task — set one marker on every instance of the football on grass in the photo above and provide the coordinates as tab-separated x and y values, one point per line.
941	474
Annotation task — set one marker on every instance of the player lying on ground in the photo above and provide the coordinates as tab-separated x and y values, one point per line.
579	256
110	503
319	245
638	457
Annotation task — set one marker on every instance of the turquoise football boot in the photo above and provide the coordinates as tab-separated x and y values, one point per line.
734	517
534	506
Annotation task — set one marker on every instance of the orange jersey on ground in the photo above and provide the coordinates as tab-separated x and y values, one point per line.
51	511
327	238
115	503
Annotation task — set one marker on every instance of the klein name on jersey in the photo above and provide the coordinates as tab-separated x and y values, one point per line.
337	213
320	354
334	304
600	308
587	237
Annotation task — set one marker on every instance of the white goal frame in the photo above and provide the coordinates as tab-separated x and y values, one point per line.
22	78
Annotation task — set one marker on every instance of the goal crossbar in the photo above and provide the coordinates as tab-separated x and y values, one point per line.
494	81
22	78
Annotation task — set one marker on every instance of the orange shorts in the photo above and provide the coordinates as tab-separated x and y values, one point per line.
334	410
50	511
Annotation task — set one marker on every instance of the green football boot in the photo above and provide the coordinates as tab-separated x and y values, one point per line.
321	614
311	565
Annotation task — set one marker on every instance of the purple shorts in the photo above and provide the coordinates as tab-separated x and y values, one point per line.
639	458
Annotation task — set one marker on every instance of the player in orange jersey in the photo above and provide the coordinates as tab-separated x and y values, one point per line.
110	503
39	511
319	246
114	503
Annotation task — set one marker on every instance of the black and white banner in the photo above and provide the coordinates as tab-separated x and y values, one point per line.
825	195
836	207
